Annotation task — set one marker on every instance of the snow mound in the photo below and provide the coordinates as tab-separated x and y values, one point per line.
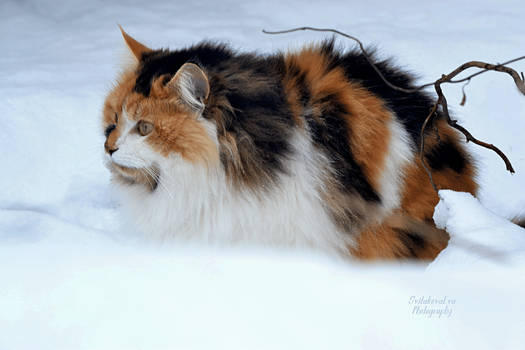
98	293
477	236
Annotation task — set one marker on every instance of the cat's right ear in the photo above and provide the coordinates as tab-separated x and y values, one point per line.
192	85
136	48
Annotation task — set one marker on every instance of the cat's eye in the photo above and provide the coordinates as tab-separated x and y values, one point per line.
109	129
144	127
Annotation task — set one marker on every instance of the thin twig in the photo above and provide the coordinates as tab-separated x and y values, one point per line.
469	137
464	97
422	144
361	47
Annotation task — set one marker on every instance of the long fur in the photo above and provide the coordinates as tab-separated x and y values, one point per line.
303	149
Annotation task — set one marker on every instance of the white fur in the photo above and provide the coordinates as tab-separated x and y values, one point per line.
193	202
132	150
197	204
399	154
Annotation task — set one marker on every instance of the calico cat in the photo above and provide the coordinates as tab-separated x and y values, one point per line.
302	149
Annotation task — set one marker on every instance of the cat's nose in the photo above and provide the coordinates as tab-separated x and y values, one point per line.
107	147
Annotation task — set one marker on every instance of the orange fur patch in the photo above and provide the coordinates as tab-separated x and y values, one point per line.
367	117
418	202
419	197
388	241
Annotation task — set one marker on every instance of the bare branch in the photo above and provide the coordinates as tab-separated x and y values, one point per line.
486	70
469	137
520	84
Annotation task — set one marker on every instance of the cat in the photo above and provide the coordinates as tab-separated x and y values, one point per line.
306	149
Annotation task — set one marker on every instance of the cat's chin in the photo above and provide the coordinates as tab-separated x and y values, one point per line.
147	177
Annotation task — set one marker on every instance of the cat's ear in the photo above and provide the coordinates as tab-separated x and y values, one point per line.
136	48
192	85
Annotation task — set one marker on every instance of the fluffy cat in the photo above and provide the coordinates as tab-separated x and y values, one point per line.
302	149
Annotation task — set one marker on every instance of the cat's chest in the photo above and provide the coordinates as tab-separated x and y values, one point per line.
207	210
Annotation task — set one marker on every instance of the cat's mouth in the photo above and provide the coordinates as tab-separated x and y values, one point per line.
148	177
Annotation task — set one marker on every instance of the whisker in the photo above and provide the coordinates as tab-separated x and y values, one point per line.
156	176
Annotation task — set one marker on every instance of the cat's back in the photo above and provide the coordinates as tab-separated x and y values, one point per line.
371	133
365	136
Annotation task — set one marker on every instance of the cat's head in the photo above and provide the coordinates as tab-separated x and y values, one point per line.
149	130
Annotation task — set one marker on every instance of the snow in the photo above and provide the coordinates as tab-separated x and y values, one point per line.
480	237
70	277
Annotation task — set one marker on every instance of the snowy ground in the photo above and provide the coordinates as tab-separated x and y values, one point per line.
70	280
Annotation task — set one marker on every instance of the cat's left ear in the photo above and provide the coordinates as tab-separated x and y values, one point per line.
192	85
136	48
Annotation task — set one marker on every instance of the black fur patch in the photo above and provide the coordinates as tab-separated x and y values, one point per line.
109	129
446	155
413	242
261	120
330	133
262	125
160	62
410	108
